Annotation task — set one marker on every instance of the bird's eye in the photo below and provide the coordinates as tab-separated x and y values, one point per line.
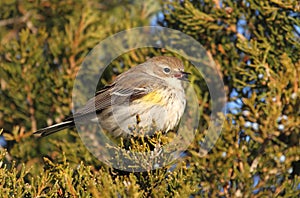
167	70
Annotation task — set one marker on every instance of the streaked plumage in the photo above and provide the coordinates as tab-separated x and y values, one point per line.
148	93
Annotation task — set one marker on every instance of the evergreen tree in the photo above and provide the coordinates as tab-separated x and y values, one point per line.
255	45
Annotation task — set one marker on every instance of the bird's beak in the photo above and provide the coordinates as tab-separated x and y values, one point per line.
182	76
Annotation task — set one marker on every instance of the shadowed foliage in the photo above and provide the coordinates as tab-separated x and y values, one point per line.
255	45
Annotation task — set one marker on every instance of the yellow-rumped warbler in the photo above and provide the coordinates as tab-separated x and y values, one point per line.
149	93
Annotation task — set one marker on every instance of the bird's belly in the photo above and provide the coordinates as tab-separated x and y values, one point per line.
163	114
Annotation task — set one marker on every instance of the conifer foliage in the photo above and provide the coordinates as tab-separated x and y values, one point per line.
255	45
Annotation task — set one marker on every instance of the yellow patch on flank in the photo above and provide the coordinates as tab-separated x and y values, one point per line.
154	97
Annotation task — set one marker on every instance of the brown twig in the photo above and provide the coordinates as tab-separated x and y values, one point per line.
22	19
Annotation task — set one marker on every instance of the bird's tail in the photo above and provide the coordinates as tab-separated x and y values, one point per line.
55	128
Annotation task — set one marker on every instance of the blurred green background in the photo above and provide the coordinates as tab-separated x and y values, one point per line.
255	45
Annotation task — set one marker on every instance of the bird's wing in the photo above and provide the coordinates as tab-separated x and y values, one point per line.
124	89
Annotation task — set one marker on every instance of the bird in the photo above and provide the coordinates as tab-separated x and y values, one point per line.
147	94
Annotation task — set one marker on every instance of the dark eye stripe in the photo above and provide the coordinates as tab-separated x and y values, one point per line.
167	70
